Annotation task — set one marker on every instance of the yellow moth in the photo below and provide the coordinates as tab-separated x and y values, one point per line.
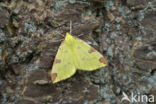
74	54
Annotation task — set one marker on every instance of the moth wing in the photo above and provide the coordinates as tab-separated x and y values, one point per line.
63	66
88	58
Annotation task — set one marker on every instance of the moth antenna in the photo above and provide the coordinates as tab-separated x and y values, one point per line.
70	27
60	34
80	35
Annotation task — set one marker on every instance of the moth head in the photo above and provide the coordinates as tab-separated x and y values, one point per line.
69	39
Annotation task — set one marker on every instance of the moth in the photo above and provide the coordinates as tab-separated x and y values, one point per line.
75	54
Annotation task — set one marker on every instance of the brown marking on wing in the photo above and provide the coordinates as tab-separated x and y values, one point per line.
76	38
56	61
91	50
103	60
62	43
53	77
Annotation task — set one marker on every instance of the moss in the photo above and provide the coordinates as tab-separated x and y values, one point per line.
2	36
109	4
72	1
124	11
107	93
58	5
30	27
